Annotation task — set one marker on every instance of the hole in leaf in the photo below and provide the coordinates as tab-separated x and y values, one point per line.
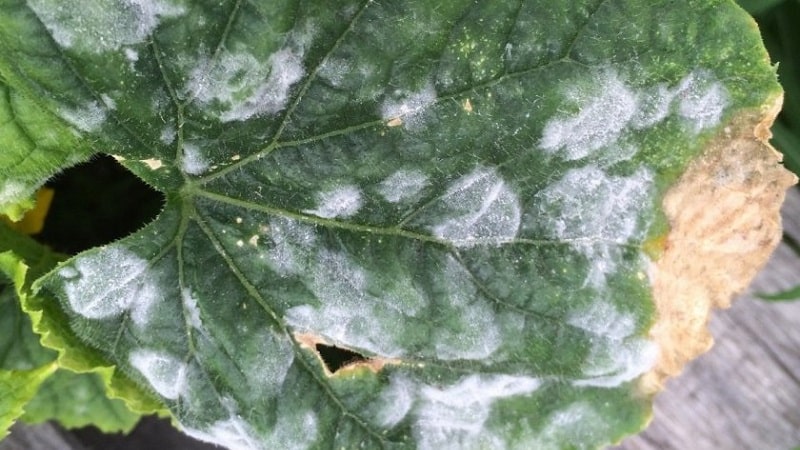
335	357
96	203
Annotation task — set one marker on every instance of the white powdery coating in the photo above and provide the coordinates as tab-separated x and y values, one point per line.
702	100
89	117
232	433
454	417
343	201
292	242
346	312
168	134
193	161
477	335
602	116
108	101
335	70
611	363
654	107
131	55
289	433
112	281
266	368
595	210
403	185
408	105
479	208
395	402
576	424
191	310
604	319
103	26
11	192
614	108
593	205
244	86
617	356
165	373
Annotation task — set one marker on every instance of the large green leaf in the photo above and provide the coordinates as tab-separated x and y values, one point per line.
462	192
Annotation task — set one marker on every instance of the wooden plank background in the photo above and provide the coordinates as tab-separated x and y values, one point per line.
743	394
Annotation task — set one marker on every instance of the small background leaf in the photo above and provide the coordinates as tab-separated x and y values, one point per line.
49	393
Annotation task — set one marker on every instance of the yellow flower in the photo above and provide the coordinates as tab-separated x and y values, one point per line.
33	220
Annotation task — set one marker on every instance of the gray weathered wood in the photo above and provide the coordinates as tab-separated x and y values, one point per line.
745	392
44	436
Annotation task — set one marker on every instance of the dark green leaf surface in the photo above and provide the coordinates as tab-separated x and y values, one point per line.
460	191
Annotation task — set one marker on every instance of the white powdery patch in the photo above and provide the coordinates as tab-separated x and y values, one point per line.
12	192
88	117
613	108
346	312
191	310
243	86
611	363
266	368
395	402
131	55
343	201
232	433
654	107
403	185
110	282
702	100
193	161
595	211
335	71
292	242
478	208
576	424
477	335
165	373
108	101
289	433
602	116
617	356
454	417
105	25
408	105
168	134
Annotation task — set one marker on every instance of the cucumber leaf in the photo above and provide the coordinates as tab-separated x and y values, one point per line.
464	195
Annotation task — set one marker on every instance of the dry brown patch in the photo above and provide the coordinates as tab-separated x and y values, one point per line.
724	218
